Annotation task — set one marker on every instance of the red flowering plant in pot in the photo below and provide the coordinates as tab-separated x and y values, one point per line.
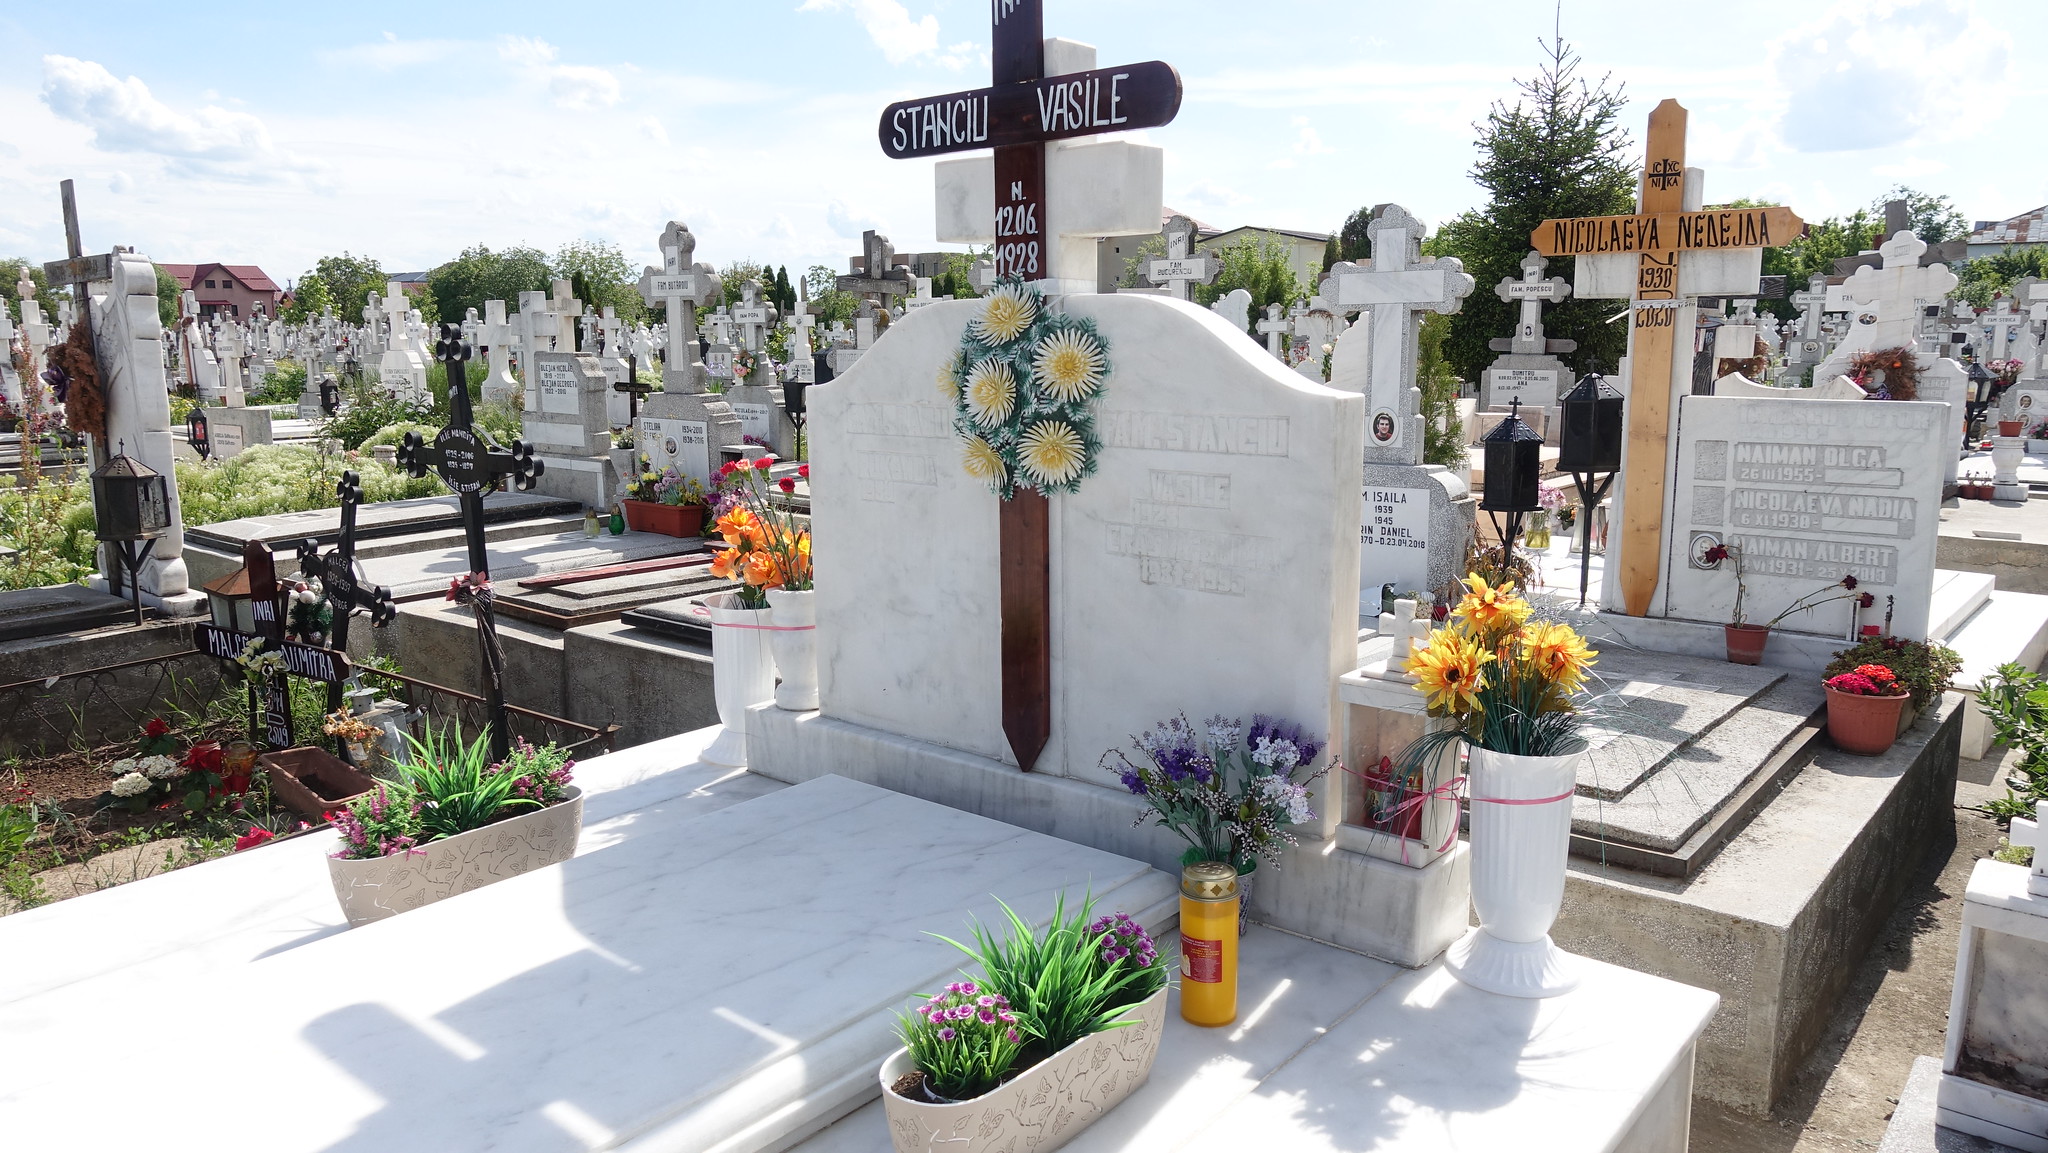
1746	641
1863	709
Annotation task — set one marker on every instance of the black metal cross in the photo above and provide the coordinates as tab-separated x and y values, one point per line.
471	465
336	573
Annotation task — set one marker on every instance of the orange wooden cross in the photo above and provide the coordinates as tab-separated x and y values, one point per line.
1659	234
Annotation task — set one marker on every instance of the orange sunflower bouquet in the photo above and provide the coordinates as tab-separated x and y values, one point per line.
1512	682
765	545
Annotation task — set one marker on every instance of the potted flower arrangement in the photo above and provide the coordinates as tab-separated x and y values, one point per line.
1746	641
1863	709
664	501
1056	1029
453	822
2037	438
1230	792
769	549
1924	668
1510	686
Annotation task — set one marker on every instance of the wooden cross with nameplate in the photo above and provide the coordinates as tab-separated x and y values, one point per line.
471	465
336	572
1017	116
1658	236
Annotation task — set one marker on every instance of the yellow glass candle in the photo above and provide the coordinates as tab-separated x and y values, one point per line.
1208	943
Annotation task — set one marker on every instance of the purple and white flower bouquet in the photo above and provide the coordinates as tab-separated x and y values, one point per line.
1232	793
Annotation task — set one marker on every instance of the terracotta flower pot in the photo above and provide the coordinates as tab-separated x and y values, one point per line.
666	519
2011	427
1746	643
1865	725
1042	1107
313	782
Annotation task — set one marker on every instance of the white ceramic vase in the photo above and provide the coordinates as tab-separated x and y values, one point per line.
742	673
1042	1107
794	613
1521	828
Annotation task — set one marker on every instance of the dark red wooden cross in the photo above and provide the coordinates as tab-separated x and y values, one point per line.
1017	116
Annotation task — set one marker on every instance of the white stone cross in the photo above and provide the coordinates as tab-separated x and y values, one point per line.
1275	330
1531	290
1180	268
395	306
2001	328
2028	834
1811	304
752	315
1896	290
565	310
679	284
1394	288
924	295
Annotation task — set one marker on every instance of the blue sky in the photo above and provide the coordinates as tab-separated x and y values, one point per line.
271	134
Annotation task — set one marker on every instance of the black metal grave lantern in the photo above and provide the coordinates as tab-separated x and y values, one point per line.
131	508
1514	464
795	403
198	433
330	396
1589	448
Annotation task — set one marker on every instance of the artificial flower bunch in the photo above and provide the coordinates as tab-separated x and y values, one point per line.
257	665
1843	589
1023	385
1509	680
308	616
343	725
153	775
1867	681
1231	793
765	545
665	486
1038	991
449	787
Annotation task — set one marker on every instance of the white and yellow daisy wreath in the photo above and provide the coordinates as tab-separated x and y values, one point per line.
1024	384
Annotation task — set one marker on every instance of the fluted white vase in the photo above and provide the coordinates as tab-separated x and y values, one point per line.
794	613
742	673
1521	828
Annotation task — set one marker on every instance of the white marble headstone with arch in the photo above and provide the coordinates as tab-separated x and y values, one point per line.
1223	519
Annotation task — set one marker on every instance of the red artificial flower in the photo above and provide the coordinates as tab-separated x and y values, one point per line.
156	727
804	470
253	838
787	484
1866	600
1849	580
1716	554
727	468
766	459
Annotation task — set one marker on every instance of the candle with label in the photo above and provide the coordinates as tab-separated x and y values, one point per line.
1208	943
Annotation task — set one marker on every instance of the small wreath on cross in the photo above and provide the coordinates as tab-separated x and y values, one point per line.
1024	384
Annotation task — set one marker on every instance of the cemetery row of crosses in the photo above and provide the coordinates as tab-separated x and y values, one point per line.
1204	595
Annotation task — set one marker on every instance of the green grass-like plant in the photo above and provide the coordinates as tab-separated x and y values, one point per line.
455	784
1054	980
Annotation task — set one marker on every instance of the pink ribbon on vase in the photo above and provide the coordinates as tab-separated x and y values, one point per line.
1448	791
700	611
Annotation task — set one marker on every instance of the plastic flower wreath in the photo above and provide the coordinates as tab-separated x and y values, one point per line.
1024	384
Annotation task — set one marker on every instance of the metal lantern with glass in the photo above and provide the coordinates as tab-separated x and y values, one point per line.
1514	465
1589	447
131	508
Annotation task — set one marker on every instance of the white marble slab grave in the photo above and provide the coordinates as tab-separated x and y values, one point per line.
726	981
1333	1052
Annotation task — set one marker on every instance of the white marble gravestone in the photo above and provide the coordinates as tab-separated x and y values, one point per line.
1806	491
1529	370
681	425
1994	1079
1226	493
1403	497
567	424
401	369
1891	298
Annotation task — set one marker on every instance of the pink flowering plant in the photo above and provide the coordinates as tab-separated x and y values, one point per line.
448	788
964	1040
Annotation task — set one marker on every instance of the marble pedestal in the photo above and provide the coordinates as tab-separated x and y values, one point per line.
1994	1080
1332	1051
1327	890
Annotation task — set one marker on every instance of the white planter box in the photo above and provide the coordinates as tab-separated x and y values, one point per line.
380	887
1041	1108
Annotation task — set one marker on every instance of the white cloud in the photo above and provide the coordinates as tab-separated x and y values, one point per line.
392	53
1871	75
889	25
1307	142
120	182
577	87
580	87
125	117
654	130
846	222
